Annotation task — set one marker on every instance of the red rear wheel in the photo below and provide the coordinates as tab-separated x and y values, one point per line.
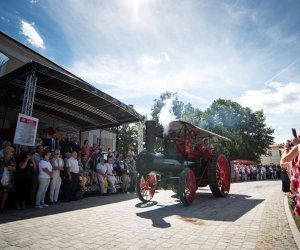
219	176
187	187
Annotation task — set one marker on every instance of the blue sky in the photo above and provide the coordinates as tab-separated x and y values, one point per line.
134	50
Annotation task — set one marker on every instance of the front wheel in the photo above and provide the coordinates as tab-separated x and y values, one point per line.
187	187
145	187
219	175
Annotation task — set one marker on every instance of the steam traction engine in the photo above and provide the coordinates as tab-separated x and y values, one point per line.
186	163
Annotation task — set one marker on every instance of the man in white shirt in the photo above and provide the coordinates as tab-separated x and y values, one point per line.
110	175
72	182
263	172
254	175
101	169
242	171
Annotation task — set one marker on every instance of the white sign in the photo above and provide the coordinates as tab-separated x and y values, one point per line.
26	130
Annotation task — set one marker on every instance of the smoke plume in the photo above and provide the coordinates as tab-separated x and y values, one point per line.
166	116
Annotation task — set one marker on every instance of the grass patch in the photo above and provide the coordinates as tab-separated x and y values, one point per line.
292	204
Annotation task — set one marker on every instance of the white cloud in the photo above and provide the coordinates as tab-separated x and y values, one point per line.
5	19
275	85
32	35
166	56
147	61
279	103
277	99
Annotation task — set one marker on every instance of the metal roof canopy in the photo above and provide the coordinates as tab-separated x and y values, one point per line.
68	99
178	127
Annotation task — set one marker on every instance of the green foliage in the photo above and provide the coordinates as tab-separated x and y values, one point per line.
292	206
247	129
128	137
191	115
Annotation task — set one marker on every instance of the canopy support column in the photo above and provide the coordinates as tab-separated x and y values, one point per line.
140	137
117	139
29	94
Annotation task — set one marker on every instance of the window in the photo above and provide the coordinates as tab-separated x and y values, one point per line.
3	61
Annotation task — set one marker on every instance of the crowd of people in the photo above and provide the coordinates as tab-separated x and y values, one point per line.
63	170
243	172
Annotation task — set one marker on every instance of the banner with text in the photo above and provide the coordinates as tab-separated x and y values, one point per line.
26	130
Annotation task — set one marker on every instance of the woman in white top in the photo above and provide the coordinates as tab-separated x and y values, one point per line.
57	166
45	174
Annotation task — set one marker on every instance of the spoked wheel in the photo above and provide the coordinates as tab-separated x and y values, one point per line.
145	186
219	175
187	187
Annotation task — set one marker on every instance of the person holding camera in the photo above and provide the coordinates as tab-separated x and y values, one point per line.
7	167
291	170
23	179
290	154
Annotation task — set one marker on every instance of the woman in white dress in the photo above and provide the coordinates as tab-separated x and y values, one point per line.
57	166
45	174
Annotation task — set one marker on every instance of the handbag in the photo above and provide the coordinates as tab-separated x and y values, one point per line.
285	181
105	183
5	177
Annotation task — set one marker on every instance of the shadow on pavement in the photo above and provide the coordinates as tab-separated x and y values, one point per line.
146	204
205	207
90	201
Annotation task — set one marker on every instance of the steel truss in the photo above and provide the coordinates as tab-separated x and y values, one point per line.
29	94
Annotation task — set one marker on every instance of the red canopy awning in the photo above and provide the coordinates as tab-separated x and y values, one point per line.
243	162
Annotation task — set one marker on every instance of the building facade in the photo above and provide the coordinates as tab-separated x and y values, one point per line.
273	156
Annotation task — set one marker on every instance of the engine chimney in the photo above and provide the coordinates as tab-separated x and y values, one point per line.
150	135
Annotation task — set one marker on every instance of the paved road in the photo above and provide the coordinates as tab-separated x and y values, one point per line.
252	217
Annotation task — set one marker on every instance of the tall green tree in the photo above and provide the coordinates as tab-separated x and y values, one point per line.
247	129
191	115
128	137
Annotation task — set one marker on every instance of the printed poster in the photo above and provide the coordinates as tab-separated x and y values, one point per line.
26	130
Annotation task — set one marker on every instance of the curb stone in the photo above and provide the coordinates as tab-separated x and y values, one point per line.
291	221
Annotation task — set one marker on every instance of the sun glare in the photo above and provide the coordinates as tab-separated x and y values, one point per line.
135	6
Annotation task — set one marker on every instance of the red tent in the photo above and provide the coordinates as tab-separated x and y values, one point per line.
243	162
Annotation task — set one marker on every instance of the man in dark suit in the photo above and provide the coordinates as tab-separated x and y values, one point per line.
75	144
51	143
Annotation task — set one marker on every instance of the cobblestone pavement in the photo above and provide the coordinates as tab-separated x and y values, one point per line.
252	217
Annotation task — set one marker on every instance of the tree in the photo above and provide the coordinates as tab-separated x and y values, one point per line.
128	137
247	129
191	115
